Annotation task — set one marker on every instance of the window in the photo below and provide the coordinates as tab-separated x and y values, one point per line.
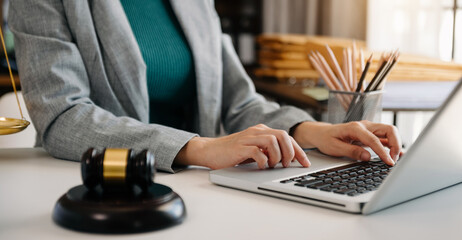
425	27
453	23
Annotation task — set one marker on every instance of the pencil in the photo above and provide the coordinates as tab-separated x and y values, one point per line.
329	71
364	73
381	60
361	57
353	103
386	64
372	84
344	99
353	66
345	67
349	69
318	66
390	60
337	69
382	79
361	60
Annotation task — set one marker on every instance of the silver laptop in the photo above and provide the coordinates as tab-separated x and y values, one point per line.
433	162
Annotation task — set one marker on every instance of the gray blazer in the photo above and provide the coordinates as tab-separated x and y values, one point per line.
84	80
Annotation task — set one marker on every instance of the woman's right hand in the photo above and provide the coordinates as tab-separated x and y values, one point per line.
264	145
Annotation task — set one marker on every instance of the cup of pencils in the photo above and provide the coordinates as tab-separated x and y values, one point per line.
350	97
364	106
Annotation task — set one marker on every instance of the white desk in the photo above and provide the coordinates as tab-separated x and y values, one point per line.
31	182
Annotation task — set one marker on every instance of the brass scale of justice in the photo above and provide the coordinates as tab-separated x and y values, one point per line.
11	125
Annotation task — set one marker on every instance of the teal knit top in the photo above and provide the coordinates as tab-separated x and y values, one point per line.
170	67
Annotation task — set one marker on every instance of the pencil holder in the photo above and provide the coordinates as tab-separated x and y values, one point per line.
352	106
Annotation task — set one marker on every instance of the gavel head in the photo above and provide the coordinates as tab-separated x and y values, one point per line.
117	169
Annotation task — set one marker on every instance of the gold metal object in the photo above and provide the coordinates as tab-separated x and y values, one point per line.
115	165
11	125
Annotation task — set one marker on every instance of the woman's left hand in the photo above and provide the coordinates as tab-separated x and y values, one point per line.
340	139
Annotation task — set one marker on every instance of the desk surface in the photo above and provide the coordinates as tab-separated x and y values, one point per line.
31	182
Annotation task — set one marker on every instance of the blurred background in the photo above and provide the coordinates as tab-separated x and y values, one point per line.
431	28
273	37
427	32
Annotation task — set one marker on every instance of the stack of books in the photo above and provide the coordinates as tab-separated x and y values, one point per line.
284	57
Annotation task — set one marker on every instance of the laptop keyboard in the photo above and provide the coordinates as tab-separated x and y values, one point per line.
351	180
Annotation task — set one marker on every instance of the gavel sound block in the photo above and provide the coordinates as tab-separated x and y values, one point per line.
118	195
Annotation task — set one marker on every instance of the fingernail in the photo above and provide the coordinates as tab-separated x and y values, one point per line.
391	161
307	161
396	157
365	156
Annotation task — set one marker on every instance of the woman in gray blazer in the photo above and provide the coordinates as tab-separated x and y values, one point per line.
161	76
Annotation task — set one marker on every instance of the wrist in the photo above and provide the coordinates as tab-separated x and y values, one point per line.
191	152
306	133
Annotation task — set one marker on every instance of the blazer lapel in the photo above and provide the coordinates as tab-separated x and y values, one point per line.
123	54
202	30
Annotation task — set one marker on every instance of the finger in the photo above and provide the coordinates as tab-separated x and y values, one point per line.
269	144
369	139
256	154
394	143
374	143
343	149
299	154
384	142
390	133
285	144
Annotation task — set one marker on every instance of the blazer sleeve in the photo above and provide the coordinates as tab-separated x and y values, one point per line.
57	92
243	107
